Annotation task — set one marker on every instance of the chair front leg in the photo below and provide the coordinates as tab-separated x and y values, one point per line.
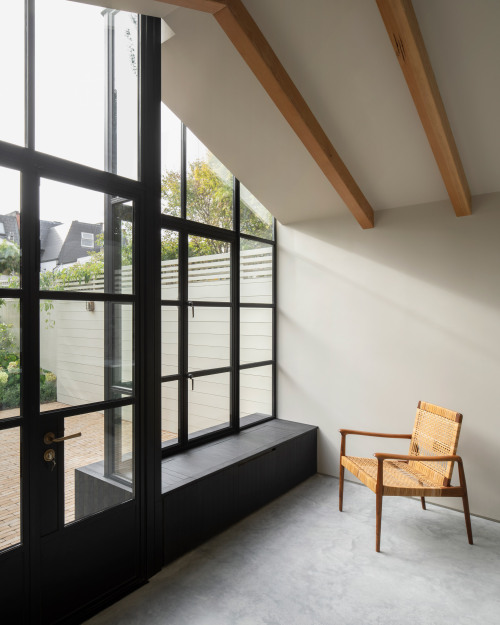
465	500
422	499
379	494
341	473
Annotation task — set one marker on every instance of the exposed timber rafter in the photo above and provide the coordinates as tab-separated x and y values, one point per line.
247	38
206	6
404	32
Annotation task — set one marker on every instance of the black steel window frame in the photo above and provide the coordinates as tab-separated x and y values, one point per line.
32	167
145	195
185	228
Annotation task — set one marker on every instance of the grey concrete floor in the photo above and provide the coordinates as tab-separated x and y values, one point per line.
299	561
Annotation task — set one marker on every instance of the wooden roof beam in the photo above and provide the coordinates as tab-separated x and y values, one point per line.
206	6
247	38
404	32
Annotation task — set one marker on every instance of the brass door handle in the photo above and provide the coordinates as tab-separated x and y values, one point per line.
50	438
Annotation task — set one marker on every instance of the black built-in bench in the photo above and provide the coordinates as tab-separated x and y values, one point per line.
208	488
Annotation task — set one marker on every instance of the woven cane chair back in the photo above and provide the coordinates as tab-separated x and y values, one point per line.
435	433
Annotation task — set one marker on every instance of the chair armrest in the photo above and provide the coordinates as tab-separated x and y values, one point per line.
382	457
379	434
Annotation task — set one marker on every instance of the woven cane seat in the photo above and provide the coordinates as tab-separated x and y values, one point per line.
399	477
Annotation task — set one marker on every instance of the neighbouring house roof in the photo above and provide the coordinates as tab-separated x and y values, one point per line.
58	242
71	249
54	240
45	227
10	230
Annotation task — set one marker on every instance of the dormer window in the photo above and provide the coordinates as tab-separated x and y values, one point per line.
87	239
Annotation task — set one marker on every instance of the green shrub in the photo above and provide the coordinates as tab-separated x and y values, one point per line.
48	386
10	384
9	396
10	373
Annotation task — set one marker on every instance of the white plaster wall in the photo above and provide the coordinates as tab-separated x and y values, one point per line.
371	322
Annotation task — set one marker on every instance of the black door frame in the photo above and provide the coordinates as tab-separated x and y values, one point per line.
146	196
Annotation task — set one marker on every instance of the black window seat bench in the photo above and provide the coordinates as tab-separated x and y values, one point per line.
208	488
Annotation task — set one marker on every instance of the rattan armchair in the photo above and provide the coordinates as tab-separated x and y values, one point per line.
424	472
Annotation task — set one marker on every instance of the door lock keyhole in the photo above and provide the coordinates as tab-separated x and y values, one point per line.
50	456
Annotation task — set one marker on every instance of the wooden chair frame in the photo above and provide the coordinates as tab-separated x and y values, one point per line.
435	490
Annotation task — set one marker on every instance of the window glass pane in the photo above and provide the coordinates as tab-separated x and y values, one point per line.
169	264
10	255
209	270
209	404
256	334
72	90
209	338
10	488
256	393
69	92
86	352
126	92
209	186
171	129
255	219
10	359
256	272
12	73
70	216
169	340
98	476
169	412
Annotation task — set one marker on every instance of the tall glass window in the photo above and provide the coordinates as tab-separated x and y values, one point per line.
171	147
12	73
92	98
218	306
209	186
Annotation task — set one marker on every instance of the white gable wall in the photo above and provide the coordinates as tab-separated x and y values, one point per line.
371	322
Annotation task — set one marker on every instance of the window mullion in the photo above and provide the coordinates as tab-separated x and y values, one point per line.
183	338
235	317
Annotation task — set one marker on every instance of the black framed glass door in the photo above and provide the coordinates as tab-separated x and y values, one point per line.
79	479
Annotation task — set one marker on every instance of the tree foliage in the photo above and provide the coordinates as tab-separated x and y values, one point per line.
10	257
209	200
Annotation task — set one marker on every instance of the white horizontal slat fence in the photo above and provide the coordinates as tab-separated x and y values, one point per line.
72	338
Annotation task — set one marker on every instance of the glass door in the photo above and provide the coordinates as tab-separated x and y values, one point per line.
85	452
78	479
12	421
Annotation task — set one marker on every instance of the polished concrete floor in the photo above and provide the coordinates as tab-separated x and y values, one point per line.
299	561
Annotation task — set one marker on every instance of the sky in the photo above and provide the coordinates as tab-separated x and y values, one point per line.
69	119
70	104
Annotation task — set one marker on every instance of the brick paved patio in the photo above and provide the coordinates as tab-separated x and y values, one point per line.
79	452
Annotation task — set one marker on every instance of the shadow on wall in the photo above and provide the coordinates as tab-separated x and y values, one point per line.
427	242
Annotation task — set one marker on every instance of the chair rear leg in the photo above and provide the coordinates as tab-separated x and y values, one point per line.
422	499
341	472
379	520
341	487
468	525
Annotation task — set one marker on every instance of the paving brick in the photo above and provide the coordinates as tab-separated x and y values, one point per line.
79	452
